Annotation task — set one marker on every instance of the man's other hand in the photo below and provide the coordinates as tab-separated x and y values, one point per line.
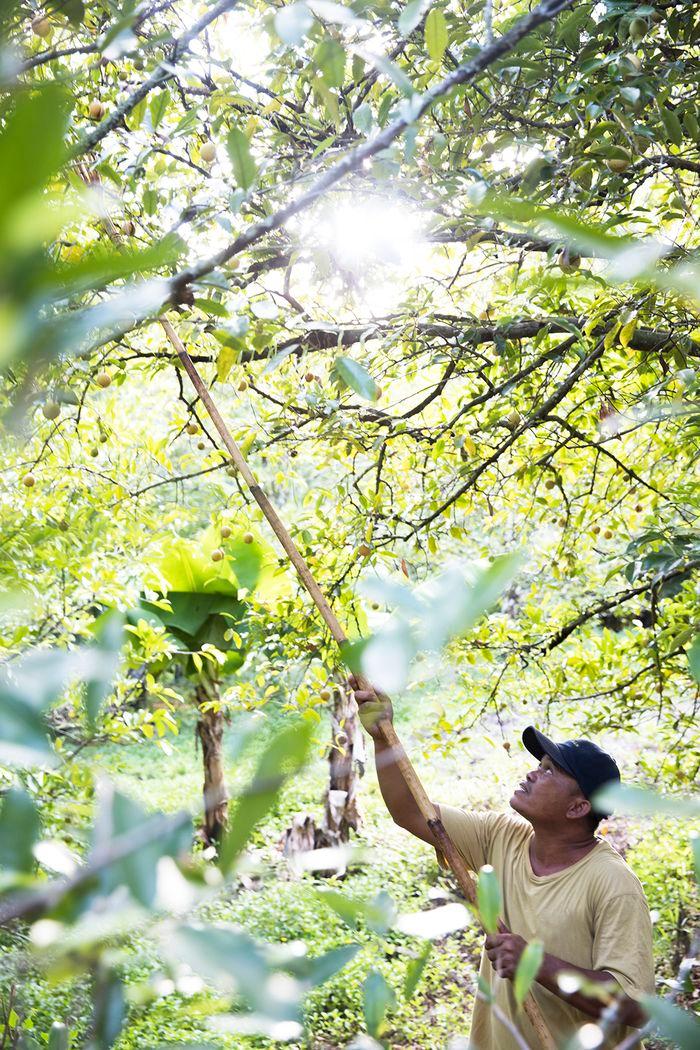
373	707
504	951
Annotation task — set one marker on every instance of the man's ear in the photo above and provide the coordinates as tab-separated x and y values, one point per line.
579	807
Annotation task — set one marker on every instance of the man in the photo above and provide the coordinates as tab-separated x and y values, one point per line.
561	884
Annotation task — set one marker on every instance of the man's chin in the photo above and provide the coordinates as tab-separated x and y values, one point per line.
516	803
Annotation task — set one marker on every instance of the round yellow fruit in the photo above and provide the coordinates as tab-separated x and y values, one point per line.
309	377
51	409
192	428
638	29
568	262
207	152
248	537
103	379
550	483
41	26
28	481
617	164
595	530
96	110
225	532
217	555
94	451
243	385
201	445
325	694
514	419
607	535
364	550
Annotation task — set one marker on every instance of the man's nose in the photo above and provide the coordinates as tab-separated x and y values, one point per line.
531	775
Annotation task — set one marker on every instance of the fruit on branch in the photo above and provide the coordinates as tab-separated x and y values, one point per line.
243	385
619	163
201	445
568	262
309	377
41	26
217	555
103	379
595	530
225	532
325	694
513	419
248	537
207	152
634	61
607	535
638	29
550	483
28	481
231	471
94	451
364	550
192	428
638	507
96	110
51	409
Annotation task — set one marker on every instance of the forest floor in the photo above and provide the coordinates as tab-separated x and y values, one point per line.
275	903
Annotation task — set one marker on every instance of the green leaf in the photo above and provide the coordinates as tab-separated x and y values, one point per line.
377	997
414	970
436	36
283	758
356	377
330	59
225	361
379	914
316	971
59	1036
628	799
20	826
231	959
244	167
694	658
293	22
46	107
411	16
488	898
528	967
159	106
680	1026
118	815
362	118
108	631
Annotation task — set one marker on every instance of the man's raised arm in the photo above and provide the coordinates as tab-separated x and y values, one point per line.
402	806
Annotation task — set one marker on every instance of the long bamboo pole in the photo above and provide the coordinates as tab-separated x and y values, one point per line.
415	787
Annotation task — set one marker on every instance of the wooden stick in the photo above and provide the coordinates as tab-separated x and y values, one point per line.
415	787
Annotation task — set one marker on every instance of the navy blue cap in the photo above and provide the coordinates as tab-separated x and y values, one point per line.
588	764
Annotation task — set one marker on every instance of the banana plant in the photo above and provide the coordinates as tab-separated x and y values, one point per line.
200	590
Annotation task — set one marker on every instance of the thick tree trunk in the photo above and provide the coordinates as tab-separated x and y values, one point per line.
346	764
210	730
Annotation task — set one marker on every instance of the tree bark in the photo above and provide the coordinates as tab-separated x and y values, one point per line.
210	731
346	758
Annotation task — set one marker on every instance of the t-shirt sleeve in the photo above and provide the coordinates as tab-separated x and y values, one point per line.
473	834
623	943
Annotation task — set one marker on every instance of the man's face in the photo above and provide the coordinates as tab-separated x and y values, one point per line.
548	795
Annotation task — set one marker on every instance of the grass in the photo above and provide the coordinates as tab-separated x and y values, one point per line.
284	907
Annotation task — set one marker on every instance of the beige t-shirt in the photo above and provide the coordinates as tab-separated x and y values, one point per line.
593	914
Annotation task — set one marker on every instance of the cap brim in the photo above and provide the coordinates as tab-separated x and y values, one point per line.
538	745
